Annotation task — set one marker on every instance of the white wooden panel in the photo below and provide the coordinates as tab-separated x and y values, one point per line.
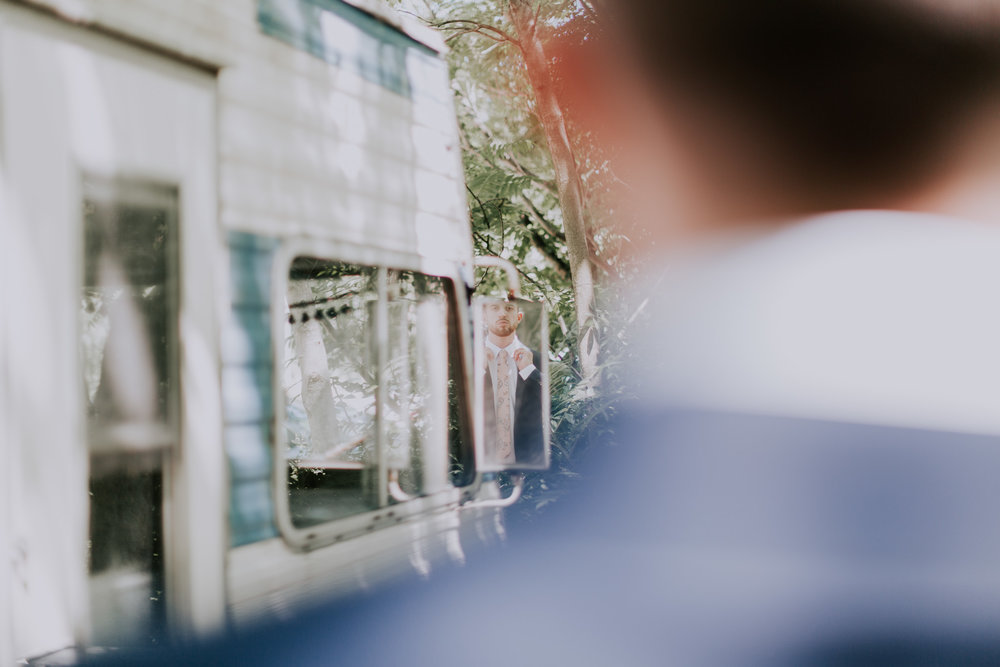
298	203
268	141
298	180
359	113
338	144
198	29
269	580
9	428
306	148
48	464
77	102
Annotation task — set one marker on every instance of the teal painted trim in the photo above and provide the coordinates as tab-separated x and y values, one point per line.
254	522
345	36
246	394
247	400
248	241
246	335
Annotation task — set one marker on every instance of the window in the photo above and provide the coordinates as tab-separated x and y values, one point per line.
129	315
128	310
365	385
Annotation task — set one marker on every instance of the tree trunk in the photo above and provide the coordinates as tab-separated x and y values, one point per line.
568	182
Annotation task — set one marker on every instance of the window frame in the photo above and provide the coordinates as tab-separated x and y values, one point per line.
146	454
336	530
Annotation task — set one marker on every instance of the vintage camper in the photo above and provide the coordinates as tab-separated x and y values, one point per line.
237	344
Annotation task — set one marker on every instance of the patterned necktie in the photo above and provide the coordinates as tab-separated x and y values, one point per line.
505	433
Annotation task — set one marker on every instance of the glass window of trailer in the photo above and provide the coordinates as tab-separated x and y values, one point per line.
366	379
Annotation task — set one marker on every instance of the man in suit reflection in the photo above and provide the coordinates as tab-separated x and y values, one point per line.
513	389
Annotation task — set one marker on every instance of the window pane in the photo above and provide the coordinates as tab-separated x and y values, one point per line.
129	315
365	386
128	347
329	380
416	409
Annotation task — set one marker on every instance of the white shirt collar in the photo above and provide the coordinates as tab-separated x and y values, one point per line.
514	346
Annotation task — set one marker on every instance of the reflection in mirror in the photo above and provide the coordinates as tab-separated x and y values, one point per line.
513	386
365	388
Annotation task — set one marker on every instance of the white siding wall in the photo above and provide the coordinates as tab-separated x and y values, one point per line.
303	148
306	147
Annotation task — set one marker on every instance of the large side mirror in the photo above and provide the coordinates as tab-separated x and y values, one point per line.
512	383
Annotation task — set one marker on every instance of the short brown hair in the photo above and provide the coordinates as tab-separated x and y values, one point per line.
852	96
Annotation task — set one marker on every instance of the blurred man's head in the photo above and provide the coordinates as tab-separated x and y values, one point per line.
502	319
749	109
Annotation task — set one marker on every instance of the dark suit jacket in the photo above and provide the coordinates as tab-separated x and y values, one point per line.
528	434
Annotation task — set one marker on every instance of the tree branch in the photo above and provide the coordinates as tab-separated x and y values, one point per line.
548	185
530	175
558	263
477	27
549	228
482	209
484	240
541	288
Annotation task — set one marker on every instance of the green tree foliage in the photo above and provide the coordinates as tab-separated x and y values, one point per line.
515	203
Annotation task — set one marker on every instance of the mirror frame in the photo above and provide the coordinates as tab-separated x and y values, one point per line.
478	365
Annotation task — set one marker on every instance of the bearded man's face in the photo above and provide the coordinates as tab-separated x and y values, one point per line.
502	318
